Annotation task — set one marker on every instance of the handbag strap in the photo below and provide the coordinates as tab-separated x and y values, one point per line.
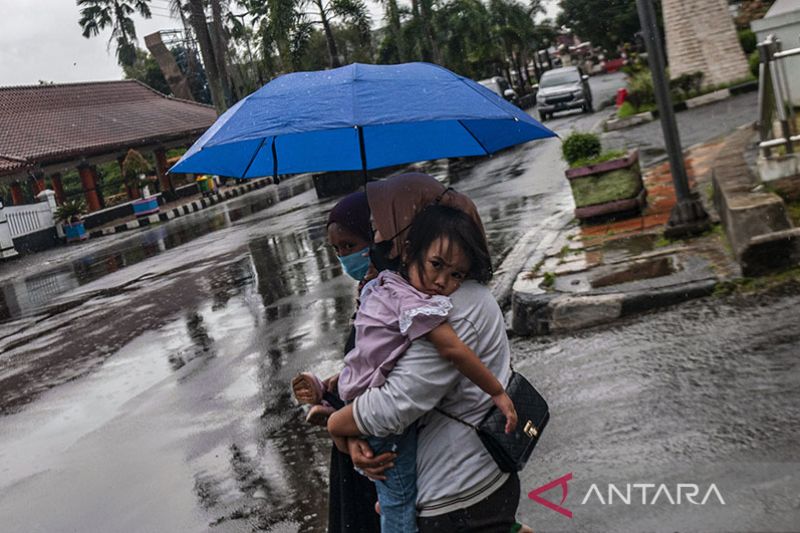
473	426
448	415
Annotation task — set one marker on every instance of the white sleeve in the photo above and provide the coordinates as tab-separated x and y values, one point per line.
415	386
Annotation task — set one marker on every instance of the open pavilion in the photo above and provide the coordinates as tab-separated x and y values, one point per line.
47	130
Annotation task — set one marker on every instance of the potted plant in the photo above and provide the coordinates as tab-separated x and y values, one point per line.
134	169
69	214
602	183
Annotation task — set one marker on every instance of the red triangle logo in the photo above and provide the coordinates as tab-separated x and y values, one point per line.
535	495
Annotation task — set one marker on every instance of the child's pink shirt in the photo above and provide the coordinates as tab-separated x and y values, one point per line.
392	315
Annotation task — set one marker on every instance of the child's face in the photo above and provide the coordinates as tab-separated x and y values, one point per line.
443	269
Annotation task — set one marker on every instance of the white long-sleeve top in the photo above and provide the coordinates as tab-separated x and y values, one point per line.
454	470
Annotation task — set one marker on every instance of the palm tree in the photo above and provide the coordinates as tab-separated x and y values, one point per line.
197	18
350	11
97	15
467	45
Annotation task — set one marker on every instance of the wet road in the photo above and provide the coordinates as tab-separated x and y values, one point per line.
699	394
143	386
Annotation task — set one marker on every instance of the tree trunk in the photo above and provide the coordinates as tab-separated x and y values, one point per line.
431	49
198	20
333	52
396	29
220	46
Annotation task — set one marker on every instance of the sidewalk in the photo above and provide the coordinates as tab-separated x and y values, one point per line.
593	274
178	208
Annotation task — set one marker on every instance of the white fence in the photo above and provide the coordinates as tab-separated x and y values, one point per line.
25	219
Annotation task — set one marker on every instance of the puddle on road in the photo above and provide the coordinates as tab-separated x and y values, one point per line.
638	271
24	296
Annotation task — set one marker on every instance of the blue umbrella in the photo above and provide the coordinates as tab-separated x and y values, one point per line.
358	117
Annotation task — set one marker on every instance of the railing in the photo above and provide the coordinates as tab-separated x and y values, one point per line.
774	98
25	219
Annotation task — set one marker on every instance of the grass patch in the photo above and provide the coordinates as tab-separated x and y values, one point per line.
602	158
752	285
548	281
626	110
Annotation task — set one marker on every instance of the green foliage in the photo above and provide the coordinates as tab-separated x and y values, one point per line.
70	211
580	146
626	110
548	281
145	69
602	158
133	166
753	61
609	186
640	89
748	40
686	86
97	15
606	23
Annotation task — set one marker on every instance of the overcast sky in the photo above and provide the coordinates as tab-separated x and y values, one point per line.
41	40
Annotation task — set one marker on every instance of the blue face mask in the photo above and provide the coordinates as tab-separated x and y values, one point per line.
356	264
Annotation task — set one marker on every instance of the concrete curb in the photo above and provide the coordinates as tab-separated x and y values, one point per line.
185	209
544	313
614	124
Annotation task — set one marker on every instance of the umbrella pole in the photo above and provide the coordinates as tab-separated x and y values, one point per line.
363	154
275	179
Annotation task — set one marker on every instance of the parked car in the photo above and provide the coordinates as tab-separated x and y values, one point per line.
562	89
500	86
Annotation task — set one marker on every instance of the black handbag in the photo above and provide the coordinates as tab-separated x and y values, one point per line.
511	451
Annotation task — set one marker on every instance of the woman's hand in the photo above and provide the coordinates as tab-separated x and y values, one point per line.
506	405
362	456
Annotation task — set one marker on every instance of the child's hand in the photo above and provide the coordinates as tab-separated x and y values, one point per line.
506	406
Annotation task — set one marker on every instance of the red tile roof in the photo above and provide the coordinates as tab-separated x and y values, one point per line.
53	123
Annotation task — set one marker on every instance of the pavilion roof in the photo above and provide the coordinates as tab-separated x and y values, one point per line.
46	124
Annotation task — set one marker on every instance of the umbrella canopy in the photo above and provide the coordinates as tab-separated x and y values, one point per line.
358	117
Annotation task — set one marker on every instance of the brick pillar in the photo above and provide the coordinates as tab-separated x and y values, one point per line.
17	196
58	188
164	179
701	37
88	176
37	183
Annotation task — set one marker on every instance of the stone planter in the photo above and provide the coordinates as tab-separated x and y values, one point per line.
75	232
607	188
145	206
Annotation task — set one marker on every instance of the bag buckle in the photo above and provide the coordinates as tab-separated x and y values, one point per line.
530	430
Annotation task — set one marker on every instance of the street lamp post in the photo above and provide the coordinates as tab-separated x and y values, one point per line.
688	217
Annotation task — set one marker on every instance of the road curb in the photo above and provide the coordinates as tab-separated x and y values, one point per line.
546	312
185	209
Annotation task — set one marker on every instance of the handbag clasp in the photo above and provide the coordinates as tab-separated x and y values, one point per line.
530	430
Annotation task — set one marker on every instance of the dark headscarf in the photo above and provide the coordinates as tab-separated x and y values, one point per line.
352	213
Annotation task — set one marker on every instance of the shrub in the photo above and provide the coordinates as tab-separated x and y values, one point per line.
70	211
686	85
748	40
754	60
640	89
626	110
580	146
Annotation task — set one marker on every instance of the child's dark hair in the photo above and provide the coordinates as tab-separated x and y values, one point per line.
459	228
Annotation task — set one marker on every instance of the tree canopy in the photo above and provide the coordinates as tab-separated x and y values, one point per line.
605	23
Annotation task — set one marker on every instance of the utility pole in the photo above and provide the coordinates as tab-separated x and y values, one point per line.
688	217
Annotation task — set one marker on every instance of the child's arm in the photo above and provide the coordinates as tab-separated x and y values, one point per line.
452	348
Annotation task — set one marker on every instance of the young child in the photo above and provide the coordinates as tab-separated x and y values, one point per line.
444	248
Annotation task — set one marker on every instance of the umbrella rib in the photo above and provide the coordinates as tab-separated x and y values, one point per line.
263	139
473	136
